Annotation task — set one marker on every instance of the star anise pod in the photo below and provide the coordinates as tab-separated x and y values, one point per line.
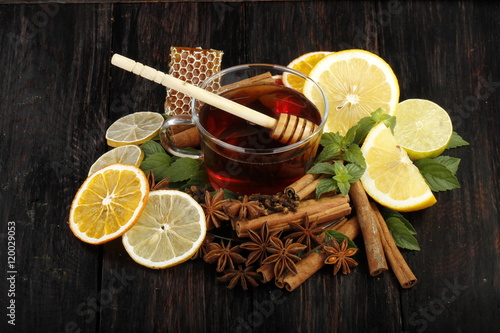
244	276
259	243
213	208
244	209
224	255
339	255
306	233
161	185
202	251
283	256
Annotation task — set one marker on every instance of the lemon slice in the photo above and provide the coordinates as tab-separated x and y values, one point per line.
390	177
134	129
423	128
129	154
304	64
356	83
108	203
170	230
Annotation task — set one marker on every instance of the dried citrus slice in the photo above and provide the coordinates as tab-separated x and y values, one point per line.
356	83
304	64
129	154
108	203
391	178
170	230
134	129
423	128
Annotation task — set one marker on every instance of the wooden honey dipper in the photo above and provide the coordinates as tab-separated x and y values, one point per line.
287	128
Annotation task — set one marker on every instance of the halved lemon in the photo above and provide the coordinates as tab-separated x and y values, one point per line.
108	203
356	83
423	128
304	64
129	154
390	177
134	129
170	230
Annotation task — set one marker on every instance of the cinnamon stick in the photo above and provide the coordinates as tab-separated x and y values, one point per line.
322	210
187	138
314	260
304	187
266	273
396	260
368	224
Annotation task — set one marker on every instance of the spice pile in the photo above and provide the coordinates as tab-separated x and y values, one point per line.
270	235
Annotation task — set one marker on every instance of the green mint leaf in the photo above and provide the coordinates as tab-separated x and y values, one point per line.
199	179
330	152
344	187
451	163
183	169
355	171
330	138
325	185
437	176
322	167
389	121
377	115
402	236
391	213
342	177
339	237
349	136
158	163
456	141
353	154
362	128
352	133
151	147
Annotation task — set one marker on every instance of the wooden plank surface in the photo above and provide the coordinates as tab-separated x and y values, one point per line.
59	94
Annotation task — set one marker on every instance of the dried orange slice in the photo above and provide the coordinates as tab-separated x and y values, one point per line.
304	64
108	203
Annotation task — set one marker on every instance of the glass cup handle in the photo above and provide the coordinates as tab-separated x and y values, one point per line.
167	139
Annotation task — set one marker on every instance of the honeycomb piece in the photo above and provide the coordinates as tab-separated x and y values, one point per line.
192	65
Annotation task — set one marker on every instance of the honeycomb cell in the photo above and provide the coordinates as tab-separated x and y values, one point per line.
192	65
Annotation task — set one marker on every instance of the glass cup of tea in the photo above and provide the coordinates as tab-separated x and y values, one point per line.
240	156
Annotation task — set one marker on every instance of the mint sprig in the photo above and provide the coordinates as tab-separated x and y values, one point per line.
456	141
341	155
339	237
401	229
182	172
439	173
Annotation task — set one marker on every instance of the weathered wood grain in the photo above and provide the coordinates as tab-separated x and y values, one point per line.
54	97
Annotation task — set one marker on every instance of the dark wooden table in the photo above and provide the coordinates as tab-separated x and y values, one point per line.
59	93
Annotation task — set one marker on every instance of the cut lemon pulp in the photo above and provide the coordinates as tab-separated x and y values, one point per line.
356	83
423	128
108	203
391	178
170	230
129	154
304	64
134	129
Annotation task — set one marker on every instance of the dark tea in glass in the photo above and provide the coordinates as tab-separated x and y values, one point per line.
261	164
